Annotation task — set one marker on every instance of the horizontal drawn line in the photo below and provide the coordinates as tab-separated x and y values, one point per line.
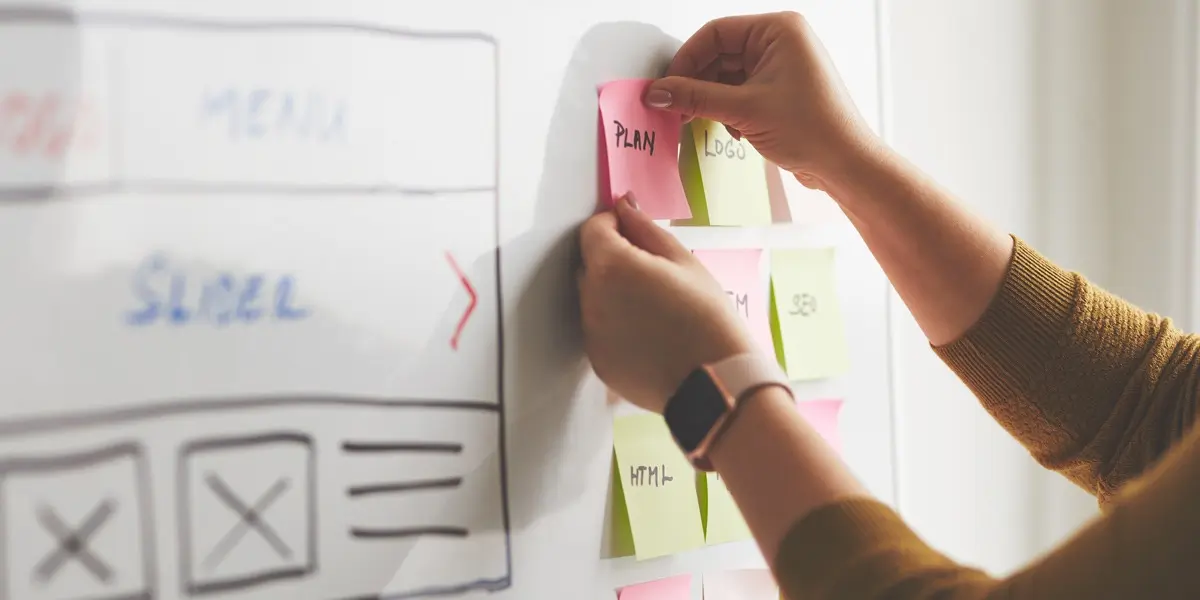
404	486
380	534
35	193
122	19
20	427
491	585
370	447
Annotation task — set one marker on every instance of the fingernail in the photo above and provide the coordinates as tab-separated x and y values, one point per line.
658	98
632	202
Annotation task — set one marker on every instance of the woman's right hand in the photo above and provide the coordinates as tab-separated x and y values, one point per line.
769	78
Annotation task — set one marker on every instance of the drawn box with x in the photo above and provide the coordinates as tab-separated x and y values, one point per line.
77	525
248	514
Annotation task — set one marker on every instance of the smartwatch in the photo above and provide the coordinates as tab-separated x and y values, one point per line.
704	404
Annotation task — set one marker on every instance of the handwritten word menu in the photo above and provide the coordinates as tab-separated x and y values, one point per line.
725	179
639	151
657	489
674	588
806	315
741	273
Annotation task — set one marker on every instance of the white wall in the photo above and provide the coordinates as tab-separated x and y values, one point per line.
1069	123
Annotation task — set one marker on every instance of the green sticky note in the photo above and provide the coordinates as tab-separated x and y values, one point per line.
806	319
657	487
724	179
723	522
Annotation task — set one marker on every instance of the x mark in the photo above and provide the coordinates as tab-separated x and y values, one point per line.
72	543
251	519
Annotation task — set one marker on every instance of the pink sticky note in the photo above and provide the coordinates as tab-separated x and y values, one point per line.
674	588
641	148
823	416
744	584
740	272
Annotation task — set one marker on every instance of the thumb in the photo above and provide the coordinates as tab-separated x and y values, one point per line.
698	98
643	232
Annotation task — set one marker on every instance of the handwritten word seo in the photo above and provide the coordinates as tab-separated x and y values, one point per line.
172	295
727	147
638	139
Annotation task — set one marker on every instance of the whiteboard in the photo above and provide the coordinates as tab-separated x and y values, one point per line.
289	307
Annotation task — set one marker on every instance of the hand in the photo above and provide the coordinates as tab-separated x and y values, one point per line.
651	312
769	79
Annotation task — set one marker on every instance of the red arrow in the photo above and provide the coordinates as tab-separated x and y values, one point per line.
470	307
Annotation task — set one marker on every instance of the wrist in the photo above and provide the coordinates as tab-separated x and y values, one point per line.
847	171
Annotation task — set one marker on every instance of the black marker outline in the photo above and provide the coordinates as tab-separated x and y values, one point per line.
374	489
80	460
144	20
183	500
368	533
20	427
353	447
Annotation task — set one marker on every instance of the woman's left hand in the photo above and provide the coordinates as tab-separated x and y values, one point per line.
651	312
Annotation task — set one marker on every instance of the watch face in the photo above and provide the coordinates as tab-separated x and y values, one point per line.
694	409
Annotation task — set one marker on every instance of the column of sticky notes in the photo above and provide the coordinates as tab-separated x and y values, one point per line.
699	174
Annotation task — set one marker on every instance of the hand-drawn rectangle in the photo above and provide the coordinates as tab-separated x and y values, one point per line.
248	512
77	526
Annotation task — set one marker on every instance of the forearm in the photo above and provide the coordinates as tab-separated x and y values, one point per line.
946	263
778	468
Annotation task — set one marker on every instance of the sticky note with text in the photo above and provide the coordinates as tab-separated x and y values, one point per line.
806	316
823	416
724	178
741	584
657	487
741	273
672	588
639	151
723	522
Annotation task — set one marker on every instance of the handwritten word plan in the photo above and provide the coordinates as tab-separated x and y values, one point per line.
823	416
806	315
742	584
657	488
723	522
725	179
674	588
639	151
741	273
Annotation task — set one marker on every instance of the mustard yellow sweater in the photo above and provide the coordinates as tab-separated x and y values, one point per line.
1097	390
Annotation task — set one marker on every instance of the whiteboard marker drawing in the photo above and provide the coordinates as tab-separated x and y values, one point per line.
264	392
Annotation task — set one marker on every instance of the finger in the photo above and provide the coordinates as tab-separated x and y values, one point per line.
729	35
599	234
697	98
644	233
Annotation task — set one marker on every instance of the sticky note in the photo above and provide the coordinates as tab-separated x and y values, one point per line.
725	179
808	206
673	588
657	486
742	584
742	275
806	318
823	416
723	522
639	151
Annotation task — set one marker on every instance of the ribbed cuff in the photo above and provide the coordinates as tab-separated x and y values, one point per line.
1007	350
852	546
